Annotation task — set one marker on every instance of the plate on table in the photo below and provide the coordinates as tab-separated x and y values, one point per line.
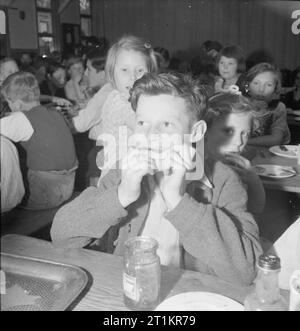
285	150
199	301
30	284
274	171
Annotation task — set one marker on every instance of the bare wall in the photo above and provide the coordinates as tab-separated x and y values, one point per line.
185	24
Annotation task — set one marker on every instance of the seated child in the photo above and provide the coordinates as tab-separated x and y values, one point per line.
12	187
127	60
200	221
231	64
230	119
77	84
262	85
8	66
46	139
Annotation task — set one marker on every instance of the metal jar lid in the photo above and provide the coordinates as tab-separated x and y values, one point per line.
269	262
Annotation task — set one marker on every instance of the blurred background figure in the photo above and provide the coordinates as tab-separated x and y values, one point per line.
54	84
211	48
292	98
56	57
12	187
77	84
26	63
163	58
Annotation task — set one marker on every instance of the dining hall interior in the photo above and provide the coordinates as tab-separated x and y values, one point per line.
76	73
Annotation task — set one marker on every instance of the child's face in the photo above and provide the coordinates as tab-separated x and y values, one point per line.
7	69
76	69
230	134
263	86
130	66
162	114
228	67
95	78
59	78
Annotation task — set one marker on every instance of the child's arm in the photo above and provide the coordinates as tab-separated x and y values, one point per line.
89	215
73	91
255	190
222	237
91	114
16	127
279	130
273	139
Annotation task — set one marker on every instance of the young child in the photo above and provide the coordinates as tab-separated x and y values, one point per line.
55	82
230	63
77	85
46	139
127	60
262	85
230	121
12	187
201	223
95	69
8	66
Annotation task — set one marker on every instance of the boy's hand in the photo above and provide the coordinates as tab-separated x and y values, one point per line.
172	188
134	167
61	102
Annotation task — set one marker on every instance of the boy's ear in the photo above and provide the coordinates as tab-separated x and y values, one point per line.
198	131
16	105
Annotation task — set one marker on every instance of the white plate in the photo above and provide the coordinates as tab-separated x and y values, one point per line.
291	152
274	171
296	112
199	301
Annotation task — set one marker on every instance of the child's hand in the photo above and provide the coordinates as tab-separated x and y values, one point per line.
241	165
172	188
134	167
61	102
237	161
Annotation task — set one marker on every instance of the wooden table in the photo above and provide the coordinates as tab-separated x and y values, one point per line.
104	289
291	184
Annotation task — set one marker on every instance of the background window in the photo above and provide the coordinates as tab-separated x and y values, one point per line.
43	4
46	45
45	26
85	7
44	22
86	27
2	22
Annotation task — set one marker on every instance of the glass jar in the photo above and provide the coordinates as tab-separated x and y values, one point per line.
266	296
142	275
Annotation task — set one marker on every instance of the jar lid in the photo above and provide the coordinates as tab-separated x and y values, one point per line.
269	262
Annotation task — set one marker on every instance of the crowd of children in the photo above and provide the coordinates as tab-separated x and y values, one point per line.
199	198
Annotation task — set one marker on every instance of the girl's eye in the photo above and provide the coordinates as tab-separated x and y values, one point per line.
167	124
124	69
140	123
228	131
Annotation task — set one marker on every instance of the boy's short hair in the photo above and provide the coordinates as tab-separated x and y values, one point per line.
225	103
97	57
5	60
21	86
178	85
234	52
129	43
